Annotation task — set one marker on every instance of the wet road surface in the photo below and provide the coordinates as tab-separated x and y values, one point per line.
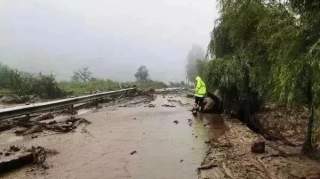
133	141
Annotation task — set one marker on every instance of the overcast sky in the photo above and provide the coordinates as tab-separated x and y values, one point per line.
112	37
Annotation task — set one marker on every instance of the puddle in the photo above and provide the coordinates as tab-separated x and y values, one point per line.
214	123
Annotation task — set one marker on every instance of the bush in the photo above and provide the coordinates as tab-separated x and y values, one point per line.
78	88
147	84
24	84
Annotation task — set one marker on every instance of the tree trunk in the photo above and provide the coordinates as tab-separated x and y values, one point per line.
307	146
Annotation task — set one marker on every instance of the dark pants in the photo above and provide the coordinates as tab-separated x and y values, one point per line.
199	102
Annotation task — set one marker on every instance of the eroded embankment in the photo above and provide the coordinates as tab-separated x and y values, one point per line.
230	156
288	125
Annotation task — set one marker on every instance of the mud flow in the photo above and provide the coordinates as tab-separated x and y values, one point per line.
147	138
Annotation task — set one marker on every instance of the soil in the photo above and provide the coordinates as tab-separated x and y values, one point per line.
231	157
283	123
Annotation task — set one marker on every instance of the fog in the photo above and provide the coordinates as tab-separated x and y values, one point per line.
111	37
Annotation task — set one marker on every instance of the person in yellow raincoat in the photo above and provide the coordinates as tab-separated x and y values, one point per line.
200	93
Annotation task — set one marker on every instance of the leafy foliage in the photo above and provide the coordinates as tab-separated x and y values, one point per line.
142	73
268	48
148	84
82	75
23	84
94	85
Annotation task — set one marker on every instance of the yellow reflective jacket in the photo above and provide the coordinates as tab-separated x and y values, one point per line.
200	90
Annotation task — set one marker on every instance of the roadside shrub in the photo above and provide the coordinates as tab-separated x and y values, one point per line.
147	84
94	85
27	84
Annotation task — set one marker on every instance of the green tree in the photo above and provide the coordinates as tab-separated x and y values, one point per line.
82	75
268	48
5	75
142	73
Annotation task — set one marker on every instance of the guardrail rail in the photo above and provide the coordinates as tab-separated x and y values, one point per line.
51	105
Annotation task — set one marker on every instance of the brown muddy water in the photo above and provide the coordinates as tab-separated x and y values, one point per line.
132	141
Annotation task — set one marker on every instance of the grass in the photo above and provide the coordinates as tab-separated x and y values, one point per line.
4	92
79	88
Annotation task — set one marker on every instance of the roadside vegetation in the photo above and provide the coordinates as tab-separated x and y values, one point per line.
23	86
143	80
266	51
94	85
26	85
83	82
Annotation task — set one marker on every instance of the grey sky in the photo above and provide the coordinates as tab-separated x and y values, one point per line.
112	37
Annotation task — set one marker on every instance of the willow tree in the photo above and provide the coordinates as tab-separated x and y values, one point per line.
269	48
309	22
313	82
235	41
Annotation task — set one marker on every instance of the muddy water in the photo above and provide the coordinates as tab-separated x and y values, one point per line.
6	138
131	142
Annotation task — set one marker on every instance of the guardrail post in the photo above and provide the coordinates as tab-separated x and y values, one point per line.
96	103
28	116
72	110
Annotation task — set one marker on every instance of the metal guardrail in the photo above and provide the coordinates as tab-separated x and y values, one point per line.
51	105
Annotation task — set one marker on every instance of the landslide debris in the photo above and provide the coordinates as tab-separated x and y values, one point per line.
258	147
44	122
16	157
285	124
241	153
133	152
150	106
62	126
168	105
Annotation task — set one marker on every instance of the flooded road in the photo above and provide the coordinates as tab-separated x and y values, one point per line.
130	141
141	138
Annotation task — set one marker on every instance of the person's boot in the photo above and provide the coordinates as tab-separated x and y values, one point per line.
201	108
195	110
194	113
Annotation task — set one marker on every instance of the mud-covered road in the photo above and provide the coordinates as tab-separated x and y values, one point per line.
158	138
130	140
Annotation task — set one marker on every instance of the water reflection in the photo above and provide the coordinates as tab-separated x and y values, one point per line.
214	123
